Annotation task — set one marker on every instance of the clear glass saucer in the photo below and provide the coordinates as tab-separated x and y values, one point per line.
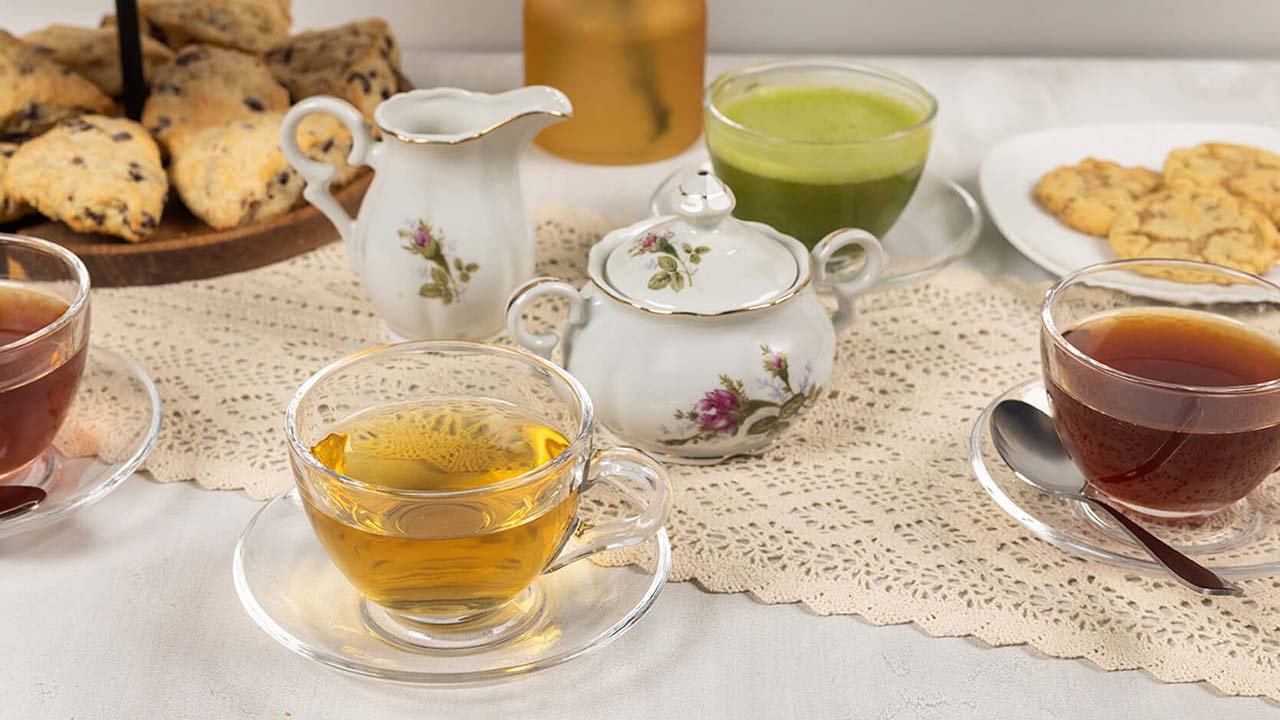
109	431
939	225
290	588
1239	542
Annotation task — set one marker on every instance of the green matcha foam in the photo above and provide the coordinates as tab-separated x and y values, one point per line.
835	127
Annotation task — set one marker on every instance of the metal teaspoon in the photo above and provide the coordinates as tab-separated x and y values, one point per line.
1025	437
17	499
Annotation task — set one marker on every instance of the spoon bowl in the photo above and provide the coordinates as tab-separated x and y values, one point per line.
1025	435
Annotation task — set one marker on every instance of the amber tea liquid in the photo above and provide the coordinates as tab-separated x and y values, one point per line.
443	557
1167	451
37	382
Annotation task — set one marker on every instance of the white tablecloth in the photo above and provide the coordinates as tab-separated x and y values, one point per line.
127	610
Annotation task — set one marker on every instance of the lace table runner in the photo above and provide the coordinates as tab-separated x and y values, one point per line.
870	508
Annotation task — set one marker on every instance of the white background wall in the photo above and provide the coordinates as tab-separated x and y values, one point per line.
1192	28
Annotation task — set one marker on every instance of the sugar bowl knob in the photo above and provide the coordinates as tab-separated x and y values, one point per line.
704	200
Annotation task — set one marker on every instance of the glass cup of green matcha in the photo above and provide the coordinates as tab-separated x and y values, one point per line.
809	147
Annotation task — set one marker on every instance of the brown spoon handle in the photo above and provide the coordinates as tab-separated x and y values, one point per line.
1190	572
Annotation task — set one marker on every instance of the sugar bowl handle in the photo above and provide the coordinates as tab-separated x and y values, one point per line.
639	477
542	344
846	289
318	174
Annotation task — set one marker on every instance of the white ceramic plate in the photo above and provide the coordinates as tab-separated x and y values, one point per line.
1012	168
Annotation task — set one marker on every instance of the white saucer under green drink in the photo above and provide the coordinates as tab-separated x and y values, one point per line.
813	147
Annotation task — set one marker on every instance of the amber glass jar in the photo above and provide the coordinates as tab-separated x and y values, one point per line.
632	68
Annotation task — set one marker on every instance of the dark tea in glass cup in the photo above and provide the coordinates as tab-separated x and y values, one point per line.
1164	381
44	337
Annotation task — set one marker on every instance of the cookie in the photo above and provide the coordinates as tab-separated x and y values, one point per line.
94	53
357	62
96	174
234	174
1087	196
10	207
207	86
254	26
1259	188
1197	224
36	92
1214	165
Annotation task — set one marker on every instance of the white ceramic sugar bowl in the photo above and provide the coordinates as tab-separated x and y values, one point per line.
700	336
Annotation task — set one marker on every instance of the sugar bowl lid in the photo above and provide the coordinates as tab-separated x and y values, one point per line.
700	261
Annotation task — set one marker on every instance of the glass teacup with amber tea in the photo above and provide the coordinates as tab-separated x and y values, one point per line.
1164	382
44	337
443	478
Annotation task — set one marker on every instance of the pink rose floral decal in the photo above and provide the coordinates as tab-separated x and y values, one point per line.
673	271
728	410
448	277
715	411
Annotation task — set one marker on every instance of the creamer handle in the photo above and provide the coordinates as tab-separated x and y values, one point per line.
319	175
542	344
845	290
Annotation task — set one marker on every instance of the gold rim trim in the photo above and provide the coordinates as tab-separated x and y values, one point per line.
473	136
790	293
525	288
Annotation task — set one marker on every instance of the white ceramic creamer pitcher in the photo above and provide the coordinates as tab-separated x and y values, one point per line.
443	236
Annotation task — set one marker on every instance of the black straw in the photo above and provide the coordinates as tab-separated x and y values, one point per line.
135	87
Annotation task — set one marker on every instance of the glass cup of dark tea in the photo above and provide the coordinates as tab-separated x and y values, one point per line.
443	477
1164	381
44	337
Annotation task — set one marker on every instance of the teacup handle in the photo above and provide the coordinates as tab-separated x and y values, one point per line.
542	344
846	289
640	477
318	174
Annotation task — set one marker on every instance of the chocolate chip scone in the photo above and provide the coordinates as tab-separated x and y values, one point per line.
234	174
11	208
96	174
171	40
144	25
357	62
206	86
324	138
94	53
255	26
36	92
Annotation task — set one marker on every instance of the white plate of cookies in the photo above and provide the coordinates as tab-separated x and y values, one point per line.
1076	196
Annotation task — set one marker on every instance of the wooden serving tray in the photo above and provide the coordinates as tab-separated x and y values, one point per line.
184	248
